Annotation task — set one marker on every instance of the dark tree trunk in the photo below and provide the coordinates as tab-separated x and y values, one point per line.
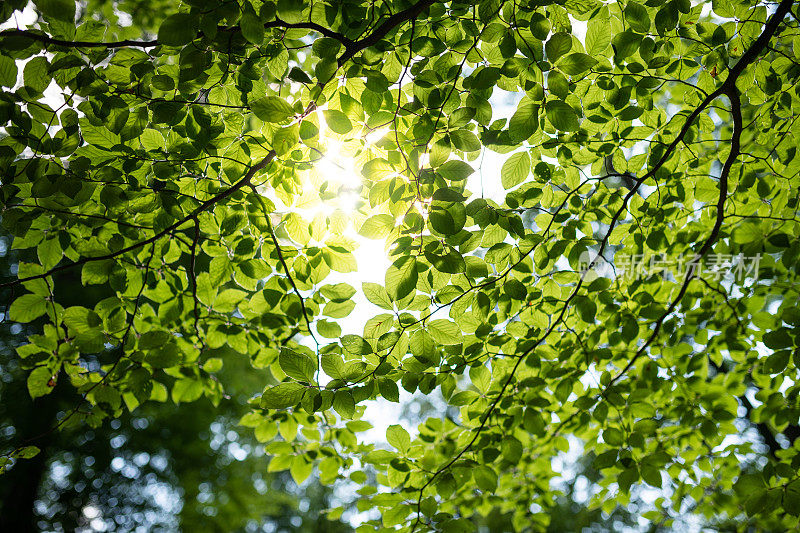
20	485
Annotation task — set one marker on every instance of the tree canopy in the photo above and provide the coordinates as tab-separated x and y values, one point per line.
608	270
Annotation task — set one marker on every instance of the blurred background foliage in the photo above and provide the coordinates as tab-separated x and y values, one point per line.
164	467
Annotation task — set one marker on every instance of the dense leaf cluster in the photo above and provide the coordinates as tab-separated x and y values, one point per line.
175	171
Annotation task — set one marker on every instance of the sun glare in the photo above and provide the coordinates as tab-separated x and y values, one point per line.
336	166
375	135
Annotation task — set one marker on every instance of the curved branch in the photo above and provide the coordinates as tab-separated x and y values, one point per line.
736	112
351	47
728	88
204	206
381	31
282	260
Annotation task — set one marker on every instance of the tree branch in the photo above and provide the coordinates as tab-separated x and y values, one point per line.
47	40
277	23
692	270
288	274
204	206
381	31
351	47
193	275
728	88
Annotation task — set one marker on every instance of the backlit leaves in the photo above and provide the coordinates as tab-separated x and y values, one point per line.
252	28
598	36
525	121
297	365
272	109
282	395
211	193
398	437
58	9
561	115
377	226
337	121
178	29
8	71
401	277
515	169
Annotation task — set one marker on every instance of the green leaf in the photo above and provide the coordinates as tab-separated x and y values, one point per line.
378	325
252	28
377	295
377	226
339	292
626	43
40	382
153	339
446	485
301	468
398	437
337	121
791	499
401	278
652	476
515	169
576	63
333	365
282	395
460	117
187	390
356	344
450	262
285	139
485	478
515	289
178	29
28	452
636	15
598	36
586	308
58	9
511	450
27	308
329	330
667	18
164	356
444	331
561	115
423	346
465	140
272	109
455	170
290	10
525	121
163	82
49	253
344	404
297	365
8	71
612	436
36	74
213	364
389	390
299	76
558	45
